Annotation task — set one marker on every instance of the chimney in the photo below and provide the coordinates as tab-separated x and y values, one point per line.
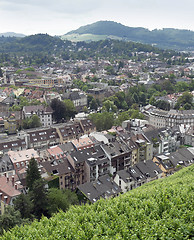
12	180
16	186
7	179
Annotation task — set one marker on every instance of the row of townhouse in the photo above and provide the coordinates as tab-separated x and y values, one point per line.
90	165
160	118
87	170
137	175
77	165
169	163
40	138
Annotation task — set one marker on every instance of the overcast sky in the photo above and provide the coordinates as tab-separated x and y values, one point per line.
57	17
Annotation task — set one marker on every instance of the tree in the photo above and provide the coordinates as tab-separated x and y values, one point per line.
102	121
135	106
59	109
152	100
70	109
33	174
89	99
9	219
121	117
187	106
182	86
60	199
109	106
38	196
1	73
85	109
32	122
185	98
23	204
168	86
93	104
110	70
162	104
135	114
121	65
135	98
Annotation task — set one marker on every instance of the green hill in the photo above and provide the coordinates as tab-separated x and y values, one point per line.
165	38
33	43
11	34
41	48
162	209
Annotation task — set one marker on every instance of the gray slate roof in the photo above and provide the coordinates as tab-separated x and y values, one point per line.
102	188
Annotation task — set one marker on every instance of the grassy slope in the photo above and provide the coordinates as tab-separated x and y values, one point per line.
87	37
162	209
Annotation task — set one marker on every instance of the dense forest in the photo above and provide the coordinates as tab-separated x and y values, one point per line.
48	46
162	209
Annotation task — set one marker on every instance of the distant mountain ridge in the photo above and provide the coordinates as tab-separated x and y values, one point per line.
12	34
164	38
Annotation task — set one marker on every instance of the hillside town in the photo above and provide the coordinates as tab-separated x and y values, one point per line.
96	120
95	164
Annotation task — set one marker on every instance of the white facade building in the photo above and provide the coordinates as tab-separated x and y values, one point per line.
44	113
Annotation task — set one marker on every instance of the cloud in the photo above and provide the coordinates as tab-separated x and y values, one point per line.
60	16
57	6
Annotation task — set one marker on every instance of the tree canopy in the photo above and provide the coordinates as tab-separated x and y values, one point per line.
33	174
63	110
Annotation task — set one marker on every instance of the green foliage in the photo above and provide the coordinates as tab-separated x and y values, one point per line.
60	199
33	43
102	121
109	106
110	70
33	174
70	109
9	219
32	122
121	117
162	105
38	196
24	101
93	104
54	183
185	101
23	204
162	209
135	114
31	69
84	86
63	110
59	109
85	109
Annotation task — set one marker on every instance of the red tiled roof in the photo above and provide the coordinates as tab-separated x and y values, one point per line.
7	187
